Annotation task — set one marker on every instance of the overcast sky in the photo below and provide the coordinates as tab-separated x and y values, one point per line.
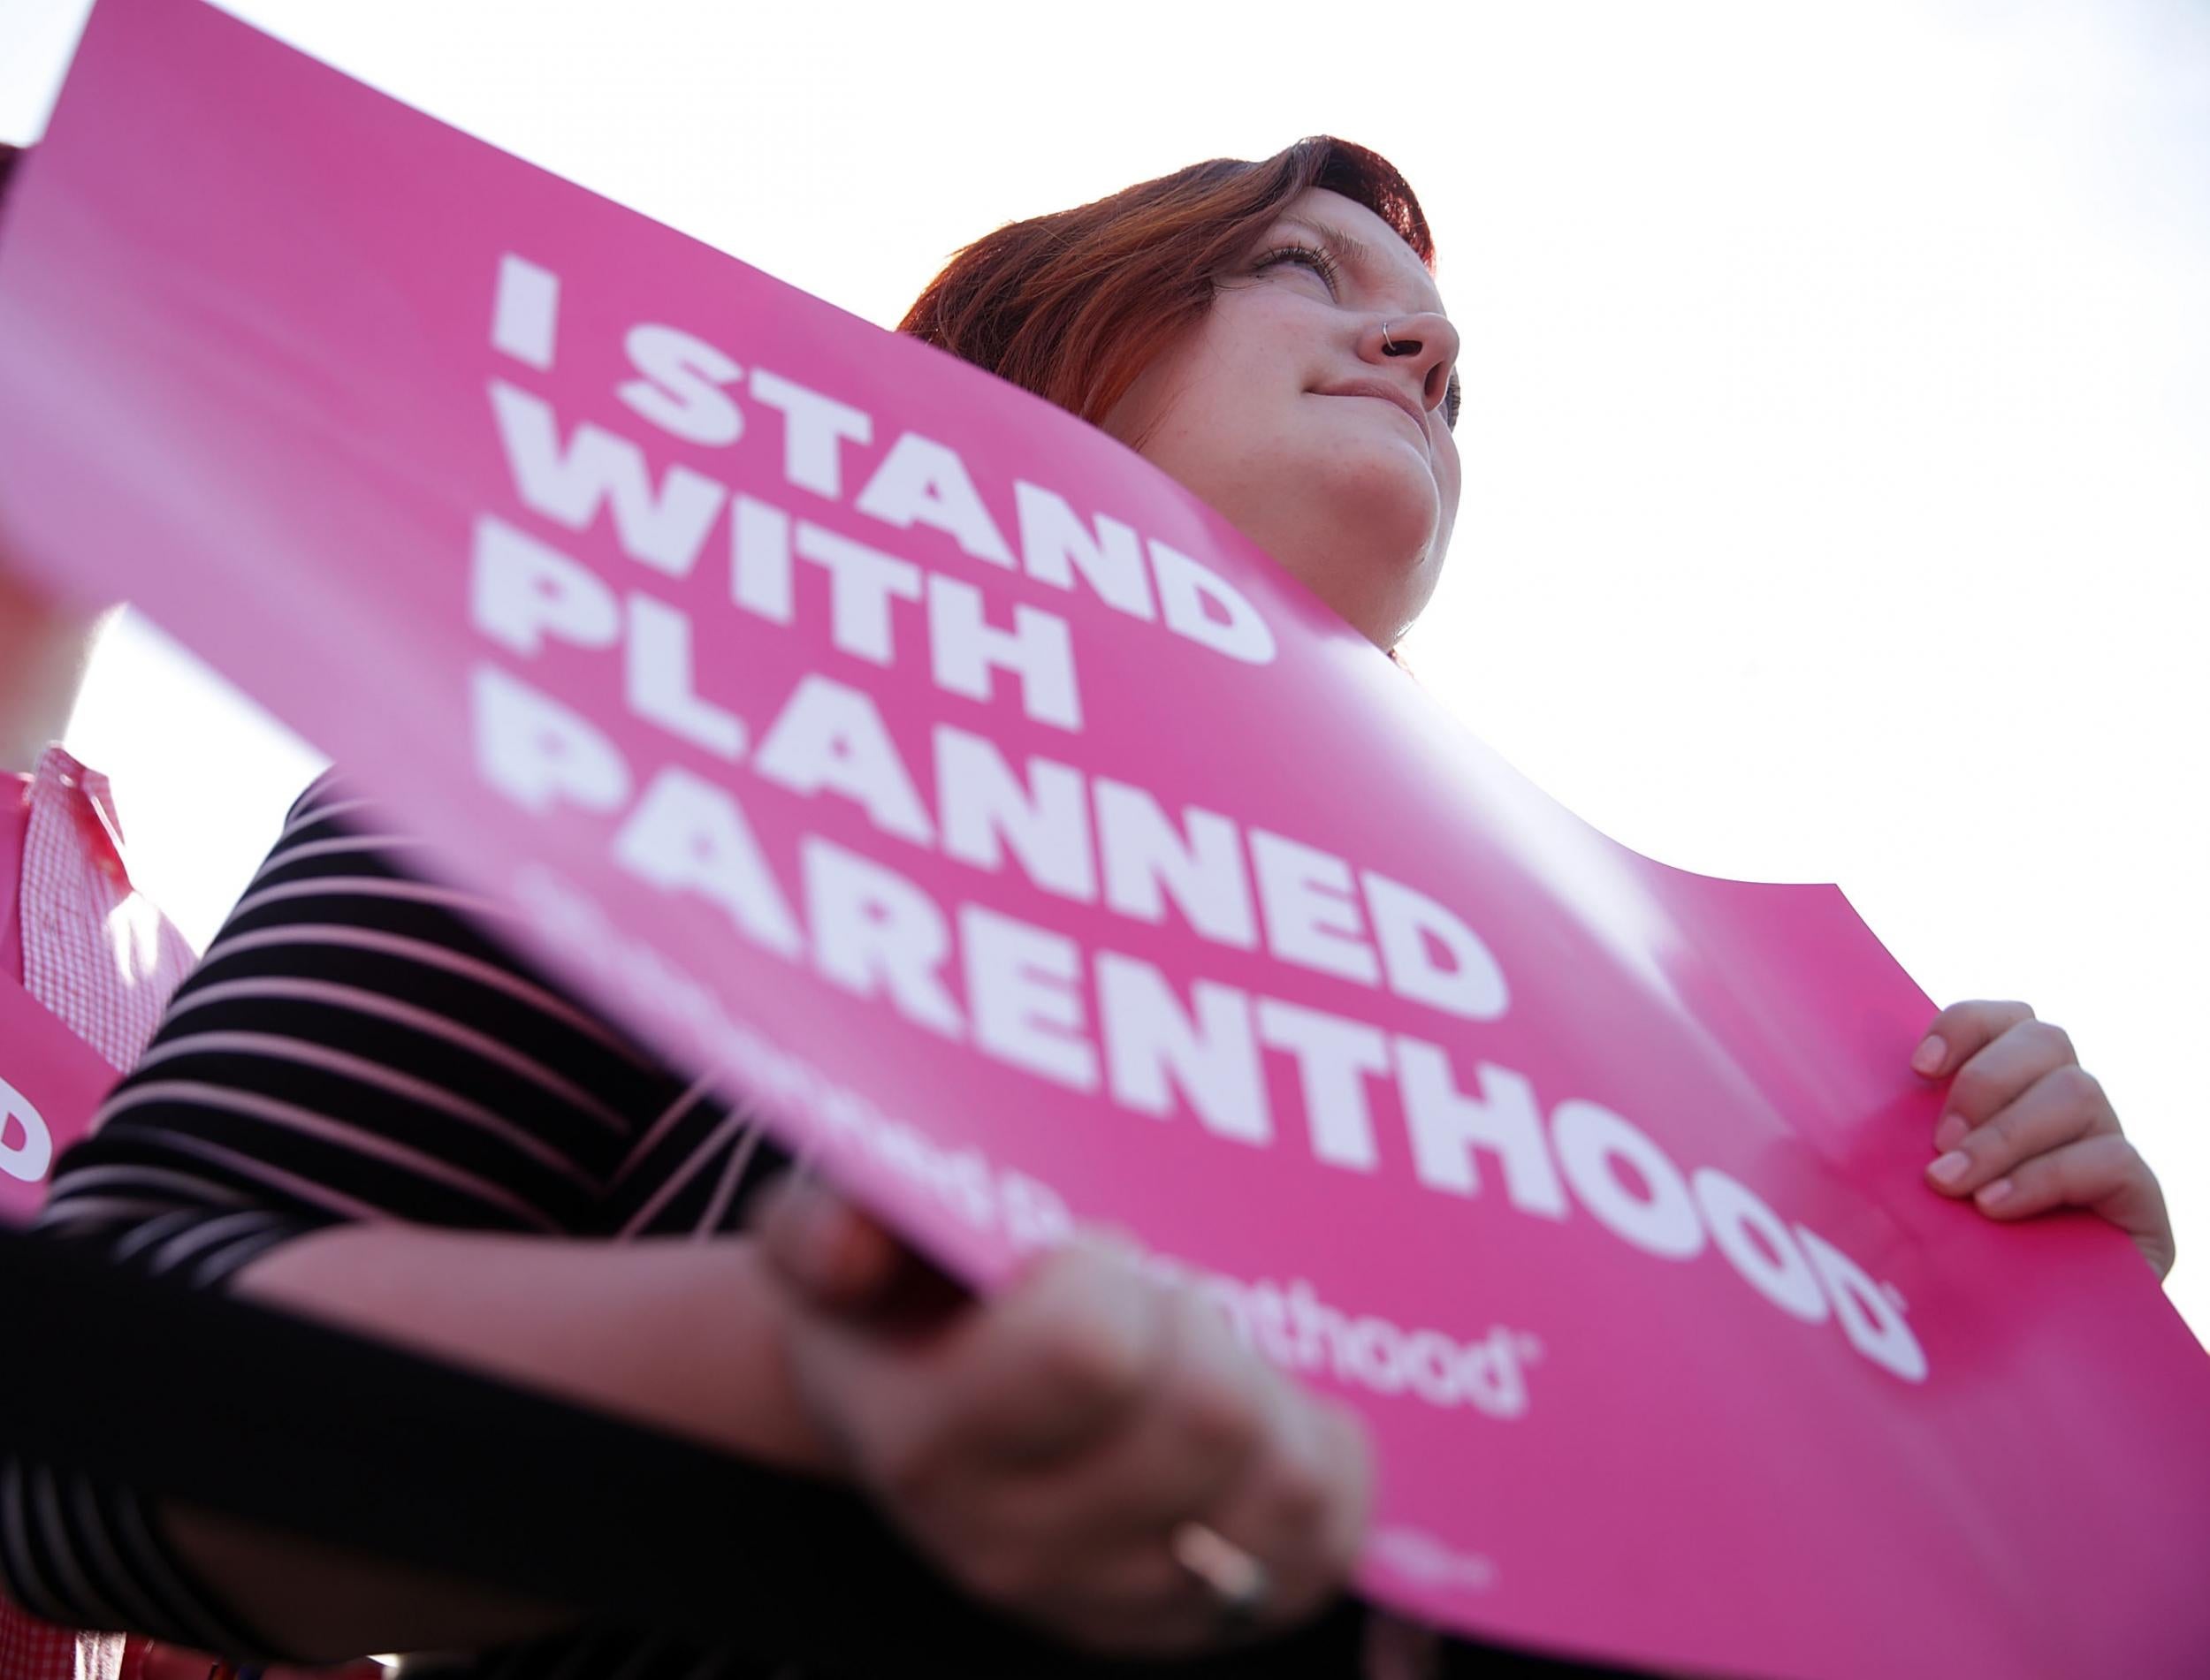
1837	421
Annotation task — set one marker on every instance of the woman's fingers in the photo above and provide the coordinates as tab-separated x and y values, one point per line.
2086	1173
1208	1409
2062	1104
824	1248
996	1391
1060	1360
1219	1431
1047	1445
1961	1032
1301	1506
1270	1479
1999	1074
2024	1128
2104	1173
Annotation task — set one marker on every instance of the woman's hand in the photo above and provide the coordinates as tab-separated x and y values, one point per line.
1073	1450
2026	1129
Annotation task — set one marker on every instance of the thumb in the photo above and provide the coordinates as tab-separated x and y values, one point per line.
824	1250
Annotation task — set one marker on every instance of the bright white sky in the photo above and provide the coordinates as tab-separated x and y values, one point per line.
1837	421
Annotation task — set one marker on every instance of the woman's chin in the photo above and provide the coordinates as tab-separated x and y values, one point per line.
1355	528
1388	489
1378	592
1386	530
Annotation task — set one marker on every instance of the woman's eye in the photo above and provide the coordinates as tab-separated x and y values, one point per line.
1319	261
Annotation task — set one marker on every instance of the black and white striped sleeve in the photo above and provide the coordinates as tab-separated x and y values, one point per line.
353	1046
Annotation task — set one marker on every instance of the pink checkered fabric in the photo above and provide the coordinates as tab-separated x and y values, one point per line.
94	951
104	960
30	1650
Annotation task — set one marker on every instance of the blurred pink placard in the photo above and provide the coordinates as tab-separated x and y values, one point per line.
1035	851
50	1082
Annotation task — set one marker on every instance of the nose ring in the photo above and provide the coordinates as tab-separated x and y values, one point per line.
1388	348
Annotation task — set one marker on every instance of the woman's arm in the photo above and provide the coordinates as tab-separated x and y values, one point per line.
684	1336
1047	1447
359	1107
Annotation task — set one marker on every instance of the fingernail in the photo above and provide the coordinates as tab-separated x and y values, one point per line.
1928	1057
1990	1194
1950	1168
1951	1131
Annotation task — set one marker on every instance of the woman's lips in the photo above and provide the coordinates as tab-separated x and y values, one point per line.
1394	395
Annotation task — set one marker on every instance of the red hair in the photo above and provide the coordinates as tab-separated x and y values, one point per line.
1074	306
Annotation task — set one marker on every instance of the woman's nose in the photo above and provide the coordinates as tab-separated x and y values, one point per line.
1428	340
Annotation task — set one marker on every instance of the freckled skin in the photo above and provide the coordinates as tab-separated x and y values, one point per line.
1350	493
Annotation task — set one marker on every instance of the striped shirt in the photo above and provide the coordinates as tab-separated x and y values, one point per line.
82	940
357	1045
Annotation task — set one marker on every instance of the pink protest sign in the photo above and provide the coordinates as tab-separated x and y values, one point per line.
50	1082
1035	851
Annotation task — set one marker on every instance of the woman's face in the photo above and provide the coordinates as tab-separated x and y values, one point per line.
1285	409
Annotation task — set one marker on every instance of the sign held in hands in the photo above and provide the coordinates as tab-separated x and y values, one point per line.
1034	851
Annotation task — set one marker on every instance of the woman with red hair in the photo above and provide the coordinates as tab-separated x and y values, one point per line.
1269	334
1091	1454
